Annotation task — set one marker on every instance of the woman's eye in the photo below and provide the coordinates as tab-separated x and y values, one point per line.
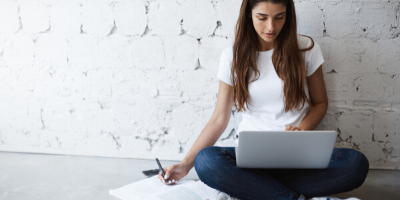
266	18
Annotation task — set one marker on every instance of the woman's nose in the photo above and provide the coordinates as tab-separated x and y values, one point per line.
270	25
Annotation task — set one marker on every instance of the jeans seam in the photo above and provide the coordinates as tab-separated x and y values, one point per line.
224	154
337	154
230	151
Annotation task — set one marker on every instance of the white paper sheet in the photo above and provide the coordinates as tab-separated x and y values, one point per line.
153	189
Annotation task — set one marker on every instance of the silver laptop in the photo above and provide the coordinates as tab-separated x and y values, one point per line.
285	149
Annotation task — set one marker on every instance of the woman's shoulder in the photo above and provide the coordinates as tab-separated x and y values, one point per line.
228	52
304	41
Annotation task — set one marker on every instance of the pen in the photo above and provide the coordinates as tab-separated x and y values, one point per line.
162	171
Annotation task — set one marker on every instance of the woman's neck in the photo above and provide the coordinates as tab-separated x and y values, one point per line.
265	46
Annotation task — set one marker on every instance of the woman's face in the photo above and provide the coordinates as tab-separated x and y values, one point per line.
268	20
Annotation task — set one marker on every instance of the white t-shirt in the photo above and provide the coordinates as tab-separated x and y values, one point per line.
267	111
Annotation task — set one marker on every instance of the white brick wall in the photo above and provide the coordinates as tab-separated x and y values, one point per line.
137	78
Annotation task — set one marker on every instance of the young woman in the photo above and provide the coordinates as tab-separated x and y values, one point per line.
274	77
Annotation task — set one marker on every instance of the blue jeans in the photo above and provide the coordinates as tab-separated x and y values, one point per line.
216	167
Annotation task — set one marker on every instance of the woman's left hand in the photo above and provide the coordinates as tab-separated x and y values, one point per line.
292	128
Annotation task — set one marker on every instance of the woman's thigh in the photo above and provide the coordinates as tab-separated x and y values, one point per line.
211	158
216	167
213	154
347	170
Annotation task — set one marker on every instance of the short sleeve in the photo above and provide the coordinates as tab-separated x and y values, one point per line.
224	70
313	59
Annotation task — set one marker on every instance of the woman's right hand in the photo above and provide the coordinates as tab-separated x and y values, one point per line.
174	173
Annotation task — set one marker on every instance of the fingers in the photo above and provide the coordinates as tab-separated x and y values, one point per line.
167	173
292	128
161	177
171	180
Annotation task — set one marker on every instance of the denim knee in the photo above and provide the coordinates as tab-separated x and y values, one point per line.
361	166
202	158
364	167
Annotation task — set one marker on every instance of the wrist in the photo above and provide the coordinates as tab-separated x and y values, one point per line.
188	164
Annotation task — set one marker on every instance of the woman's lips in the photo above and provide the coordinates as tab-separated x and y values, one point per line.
270	35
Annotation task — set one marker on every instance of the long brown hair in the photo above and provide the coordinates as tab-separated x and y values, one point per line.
286	57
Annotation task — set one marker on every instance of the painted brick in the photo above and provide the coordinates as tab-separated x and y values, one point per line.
197	84
2	40
108	2
130	146
22	115
183	121
342	19
98	116
199	18
19	50
114	52
26	81
357	55
9	18
167	84
373	151
392	153
65	17
387	58
340	86
148	52
169	149
83	51
130	17
397	90
374	87
310	19
2	65
48	82
50	50
210	52
356	127
34	16
387	127
378	20
123	115
8	76
69	110
98	82
181	52
67	82
151	112
129	83
164	18
227	13
330	48
97	18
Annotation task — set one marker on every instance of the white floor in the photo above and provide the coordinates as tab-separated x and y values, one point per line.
25	176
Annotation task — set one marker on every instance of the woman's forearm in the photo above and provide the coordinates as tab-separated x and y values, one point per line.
314	116
210	134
